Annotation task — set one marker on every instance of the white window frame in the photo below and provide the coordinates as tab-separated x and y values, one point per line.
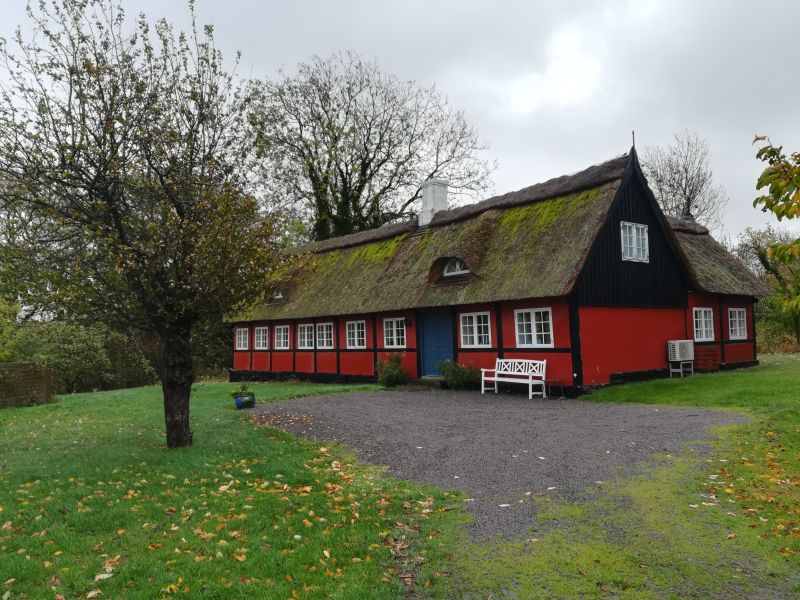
323	341
282	337
242	345
261	342
455	267
475	343
737	334
354	331
534	333
305	336
397	324
636	233
705	311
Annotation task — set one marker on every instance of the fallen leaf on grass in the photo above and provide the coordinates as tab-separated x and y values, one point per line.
94	594
103	576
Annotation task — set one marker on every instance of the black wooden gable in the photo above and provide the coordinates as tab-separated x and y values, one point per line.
607	280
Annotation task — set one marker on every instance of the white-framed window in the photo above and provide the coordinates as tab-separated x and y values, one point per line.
394	333
475	330
356	335
635	245
281	337
455	266
261	338
305	336
242	338
324	336
703	325
534	327
737	323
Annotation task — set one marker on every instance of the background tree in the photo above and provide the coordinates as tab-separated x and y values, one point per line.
352	144
681	178
776	316
124	156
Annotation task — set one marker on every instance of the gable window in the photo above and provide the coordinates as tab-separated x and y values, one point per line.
635	246
324	336
394	333
281	337
356	335
455	266
261	338
305	336
534	328
737	323
475	330
242	338
703	325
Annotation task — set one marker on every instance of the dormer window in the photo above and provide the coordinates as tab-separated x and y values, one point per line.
454	267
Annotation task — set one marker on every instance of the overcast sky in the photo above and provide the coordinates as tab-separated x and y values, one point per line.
552	86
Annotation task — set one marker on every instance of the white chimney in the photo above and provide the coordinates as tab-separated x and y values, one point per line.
434	199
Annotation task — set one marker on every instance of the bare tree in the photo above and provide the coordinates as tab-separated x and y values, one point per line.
681	178
347	146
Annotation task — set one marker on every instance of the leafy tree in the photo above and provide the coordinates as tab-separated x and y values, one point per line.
781	178
125	159
783	278
353	144
682	181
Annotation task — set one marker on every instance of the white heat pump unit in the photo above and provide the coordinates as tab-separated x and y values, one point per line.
680	350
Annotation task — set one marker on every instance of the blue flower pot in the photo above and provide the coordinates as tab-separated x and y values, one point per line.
245	401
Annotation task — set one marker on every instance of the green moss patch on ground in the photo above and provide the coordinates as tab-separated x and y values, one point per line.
718	523
91	501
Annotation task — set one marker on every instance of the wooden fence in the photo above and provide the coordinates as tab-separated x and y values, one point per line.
25	384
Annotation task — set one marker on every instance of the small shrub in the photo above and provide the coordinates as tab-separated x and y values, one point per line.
391	372
458	376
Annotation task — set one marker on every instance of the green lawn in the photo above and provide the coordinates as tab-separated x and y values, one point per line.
719	524
92	502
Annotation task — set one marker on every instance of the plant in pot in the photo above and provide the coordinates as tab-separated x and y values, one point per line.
243	397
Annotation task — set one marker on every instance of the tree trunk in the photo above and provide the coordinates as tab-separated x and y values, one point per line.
177	377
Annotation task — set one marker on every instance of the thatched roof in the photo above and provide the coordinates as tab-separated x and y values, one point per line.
513	245
713	268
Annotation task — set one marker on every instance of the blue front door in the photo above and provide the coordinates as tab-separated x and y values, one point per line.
437	339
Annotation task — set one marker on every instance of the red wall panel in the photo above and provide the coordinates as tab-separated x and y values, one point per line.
707	357
411	327
480	360
477	308
356	363
282	361
560	313
260	361
626	340
241	361
408	360
559	364
737	353
326	362
304	362
342	339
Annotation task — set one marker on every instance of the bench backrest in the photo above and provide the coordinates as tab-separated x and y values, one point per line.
521	366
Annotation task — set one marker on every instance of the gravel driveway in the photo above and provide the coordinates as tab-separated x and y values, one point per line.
495	448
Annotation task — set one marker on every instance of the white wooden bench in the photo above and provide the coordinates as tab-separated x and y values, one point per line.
517	370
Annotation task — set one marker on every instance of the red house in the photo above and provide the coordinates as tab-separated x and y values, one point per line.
583	270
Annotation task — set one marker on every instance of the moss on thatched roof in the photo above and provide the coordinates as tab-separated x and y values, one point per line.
713	268
513	252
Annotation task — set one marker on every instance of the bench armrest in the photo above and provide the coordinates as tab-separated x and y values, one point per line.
488	370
